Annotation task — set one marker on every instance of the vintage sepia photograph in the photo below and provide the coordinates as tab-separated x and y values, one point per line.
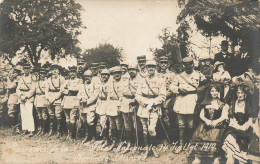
130	81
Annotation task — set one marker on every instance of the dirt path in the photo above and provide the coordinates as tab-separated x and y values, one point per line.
22	149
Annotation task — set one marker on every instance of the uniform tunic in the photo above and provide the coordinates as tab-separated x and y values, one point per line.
53	89
185	104
70	90
13	97
128	102
144	95
102	102
40	99
168	76
89	92
115	93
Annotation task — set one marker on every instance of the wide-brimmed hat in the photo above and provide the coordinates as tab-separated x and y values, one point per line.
151	63
105	71
218	63
187	60
87	73
115	69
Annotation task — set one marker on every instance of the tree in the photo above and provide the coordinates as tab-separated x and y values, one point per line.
103	53
40	25
175	47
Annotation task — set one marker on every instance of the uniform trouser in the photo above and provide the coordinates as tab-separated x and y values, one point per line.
13	110
149	124
42	113
54	111
116	123
128	119
185	121
70	115
88	117
27	116
101	123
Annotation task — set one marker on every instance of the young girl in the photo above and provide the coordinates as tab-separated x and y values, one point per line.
213	115
237	136
220	74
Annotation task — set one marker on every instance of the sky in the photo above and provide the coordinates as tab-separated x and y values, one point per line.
133	25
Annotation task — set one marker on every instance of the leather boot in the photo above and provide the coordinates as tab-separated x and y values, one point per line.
113	139
51	132
43	127
68	130
105	138
153	141
86	139
129	141
181	140
39	127
59	128
146	145
72	131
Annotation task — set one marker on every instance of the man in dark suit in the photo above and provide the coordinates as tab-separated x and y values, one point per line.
243	61
226	57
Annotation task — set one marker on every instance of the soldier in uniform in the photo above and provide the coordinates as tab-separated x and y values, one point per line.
88	96
185	85
101	106
142	63
207	69
40	101
129	108
3	101
70	103
96	77
167	114
13	104
150	95
115	93
25	91
53	95
124	67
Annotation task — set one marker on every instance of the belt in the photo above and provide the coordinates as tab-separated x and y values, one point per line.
73	93
40	94
101	98
189	92
150	96
114	98
129	96
53	90
24	90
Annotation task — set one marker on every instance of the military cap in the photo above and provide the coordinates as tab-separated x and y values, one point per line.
105	71
115	69
94	65
53	66
102	66
187	60
102	63
164	58
26	65
133	66
250	75
73	68
124	63
151	63
80	62
218	63
87	73
141	58
43	70
224	43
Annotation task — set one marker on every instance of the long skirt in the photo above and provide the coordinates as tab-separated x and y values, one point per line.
27	116
236	144
208	140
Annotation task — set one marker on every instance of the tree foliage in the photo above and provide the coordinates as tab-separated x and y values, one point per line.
38	26
104	53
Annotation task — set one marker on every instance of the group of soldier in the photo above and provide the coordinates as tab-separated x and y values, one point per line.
124	103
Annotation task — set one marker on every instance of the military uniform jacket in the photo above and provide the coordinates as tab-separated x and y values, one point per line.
168	76
185	104
53	90
125	77
26	87
40	98
128	102
89	92
102	103
143	73
70	90
96	80
115	93
11	87
144	95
